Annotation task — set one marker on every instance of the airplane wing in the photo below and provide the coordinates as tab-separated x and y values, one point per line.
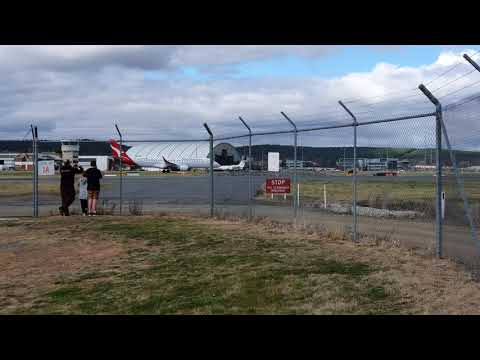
170	164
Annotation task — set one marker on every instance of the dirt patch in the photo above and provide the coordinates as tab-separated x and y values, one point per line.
34	256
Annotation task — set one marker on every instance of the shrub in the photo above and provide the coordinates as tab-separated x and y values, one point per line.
135	207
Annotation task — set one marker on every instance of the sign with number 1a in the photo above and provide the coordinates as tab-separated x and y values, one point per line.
46	168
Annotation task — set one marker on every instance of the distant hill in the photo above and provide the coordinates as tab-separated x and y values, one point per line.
328	156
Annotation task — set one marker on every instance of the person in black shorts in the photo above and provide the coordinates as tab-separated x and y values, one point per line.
67	186
93	187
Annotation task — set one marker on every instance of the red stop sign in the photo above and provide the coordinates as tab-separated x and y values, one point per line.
278	186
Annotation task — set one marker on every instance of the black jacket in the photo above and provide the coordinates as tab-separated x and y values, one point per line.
93	179
67	175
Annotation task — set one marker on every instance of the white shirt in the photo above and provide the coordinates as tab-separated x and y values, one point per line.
82	188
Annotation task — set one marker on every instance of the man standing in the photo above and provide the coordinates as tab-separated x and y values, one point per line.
93	187
67	186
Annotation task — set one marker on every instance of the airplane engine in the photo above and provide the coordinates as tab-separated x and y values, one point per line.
183	167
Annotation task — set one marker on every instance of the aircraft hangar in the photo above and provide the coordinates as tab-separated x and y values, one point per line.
225	154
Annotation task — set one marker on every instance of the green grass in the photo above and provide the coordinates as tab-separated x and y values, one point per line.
10	223
16	173
183	267
10	189
23	188
342	191
393	195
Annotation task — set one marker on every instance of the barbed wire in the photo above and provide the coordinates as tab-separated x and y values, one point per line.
24	136
454	80
391	100
451	68
456	91
454	105
378	96
351	101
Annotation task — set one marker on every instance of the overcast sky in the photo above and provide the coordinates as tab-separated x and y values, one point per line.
169	91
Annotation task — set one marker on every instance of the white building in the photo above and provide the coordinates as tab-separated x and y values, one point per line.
104	163
472	168
7	161
70	150
290	164
424	167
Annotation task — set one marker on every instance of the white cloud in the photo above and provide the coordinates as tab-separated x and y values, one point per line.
81	91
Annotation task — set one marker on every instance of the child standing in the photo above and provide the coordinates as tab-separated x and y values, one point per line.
83	193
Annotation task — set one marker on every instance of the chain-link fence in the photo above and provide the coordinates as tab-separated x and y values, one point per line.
461	181
396	196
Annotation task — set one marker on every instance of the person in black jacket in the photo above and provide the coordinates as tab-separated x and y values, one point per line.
67	186
93	187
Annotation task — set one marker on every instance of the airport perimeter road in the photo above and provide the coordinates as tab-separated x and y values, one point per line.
233	177
230	189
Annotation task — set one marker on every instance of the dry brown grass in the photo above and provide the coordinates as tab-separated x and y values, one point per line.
68	254
35	255
429	285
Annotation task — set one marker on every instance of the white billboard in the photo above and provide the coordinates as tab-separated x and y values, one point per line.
273	161
46	168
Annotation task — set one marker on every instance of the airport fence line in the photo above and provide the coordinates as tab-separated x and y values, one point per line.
438	130
248	199
438	125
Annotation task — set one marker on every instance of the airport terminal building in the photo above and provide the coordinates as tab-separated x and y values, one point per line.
375	164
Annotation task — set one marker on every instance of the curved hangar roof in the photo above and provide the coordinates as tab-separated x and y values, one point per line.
182	150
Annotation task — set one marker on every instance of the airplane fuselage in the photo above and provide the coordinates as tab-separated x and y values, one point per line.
153	157
180	164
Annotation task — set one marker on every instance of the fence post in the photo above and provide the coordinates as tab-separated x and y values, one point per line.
354	209
121	168
249	168
473	63
33	172
36	171
295	180
212	194
438	195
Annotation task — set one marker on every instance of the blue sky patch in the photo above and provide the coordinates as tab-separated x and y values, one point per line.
347	59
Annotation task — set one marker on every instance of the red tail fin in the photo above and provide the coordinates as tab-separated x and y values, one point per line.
115	148
116	152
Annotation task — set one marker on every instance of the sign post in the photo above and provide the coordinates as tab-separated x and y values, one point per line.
443	204
324	196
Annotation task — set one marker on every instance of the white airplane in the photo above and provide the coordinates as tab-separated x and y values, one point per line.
237	167
148	156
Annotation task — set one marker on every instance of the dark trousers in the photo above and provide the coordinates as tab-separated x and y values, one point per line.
68	197
84	204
